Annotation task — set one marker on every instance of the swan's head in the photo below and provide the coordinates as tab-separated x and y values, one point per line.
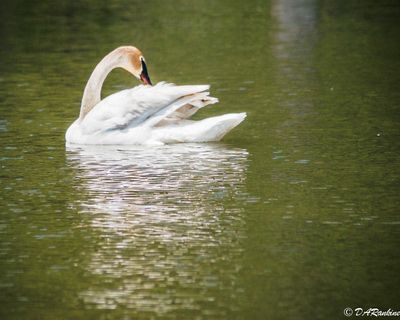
132	60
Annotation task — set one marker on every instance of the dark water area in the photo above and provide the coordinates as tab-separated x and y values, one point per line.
294	215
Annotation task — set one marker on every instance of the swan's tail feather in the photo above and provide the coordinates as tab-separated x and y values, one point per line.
207	130
215	128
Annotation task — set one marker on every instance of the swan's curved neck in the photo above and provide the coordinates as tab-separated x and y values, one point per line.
92	92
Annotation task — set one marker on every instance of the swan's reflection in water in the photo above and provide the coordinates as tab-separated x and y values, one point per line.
169	225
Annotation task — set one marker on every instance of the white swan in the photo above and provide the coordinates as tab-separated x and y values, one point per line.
145	114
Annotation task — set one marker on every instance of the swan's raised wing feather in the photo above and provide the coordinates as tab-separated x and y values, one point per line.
133	107
181	109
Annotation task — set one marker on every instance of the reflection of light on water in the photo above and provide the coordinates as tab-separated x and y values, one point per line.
293	42
167	222
296	27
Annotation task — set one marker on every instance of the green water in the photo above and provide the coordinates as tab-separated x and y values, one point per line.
294	215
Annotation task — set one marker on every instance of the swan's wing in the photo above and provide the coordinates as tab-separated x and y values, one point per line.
181	109
133	107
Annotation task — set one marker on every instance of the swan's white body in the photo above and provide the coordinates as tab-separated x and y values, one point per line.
151	115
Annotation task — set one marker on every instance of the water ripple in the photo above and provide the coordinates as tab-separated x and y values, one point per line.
165	218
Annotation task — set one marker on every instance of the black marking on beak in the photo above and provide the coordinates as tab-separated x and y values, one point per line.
144	76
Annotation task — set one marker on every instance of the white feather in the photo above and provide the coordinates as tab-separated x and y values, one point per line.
152	115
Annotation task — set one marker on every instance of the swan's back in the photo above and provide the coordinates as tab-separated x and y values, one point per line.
131	107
